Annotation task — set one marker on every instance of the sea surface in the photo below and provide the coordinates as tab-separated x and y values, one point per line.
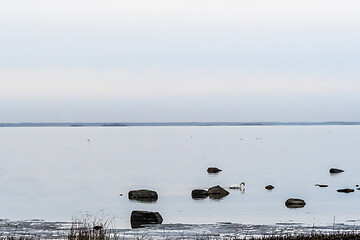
57	174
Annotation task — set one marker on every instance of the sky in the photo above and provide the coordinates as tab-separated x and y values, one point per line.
179	60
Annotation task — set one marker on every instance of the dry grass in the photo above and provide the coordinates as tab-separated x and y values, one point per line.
90	229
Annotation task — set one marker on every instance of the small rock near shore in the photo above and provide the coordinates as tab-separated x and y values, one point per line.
213	170
346	190
269	187
335	170
295	203
143	195
139	219
321	185
98	227
217	192
199	194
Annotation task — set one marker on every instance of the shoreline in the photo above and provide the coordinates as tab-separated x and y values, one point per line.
40	229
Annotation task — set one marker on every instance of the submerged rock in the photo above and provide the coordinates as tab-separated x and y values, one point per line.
143	195
199	194
321	185
295	203
346	190
139	219
335	170
213	170
269	187
217	192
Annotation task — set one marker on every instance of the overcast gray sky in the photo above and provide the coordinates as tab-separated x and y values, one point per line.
161	60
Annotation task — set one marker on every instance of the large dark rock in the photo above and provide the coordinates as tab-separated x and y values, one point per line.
295	203
269	187
346	190
335	170
141	218
217	192
213	170
143	195
199	194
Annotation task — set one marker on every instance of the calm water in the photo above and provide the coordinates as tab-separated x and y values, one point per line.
56	173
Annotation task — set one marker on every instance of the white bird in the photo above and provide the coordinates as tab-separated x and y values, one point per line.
235	186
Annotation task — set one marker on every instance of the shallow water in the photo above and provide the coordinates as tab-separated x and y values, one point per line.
57	174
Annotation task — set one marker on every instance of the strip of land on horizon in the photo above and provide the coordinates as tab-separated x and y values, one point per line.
159	124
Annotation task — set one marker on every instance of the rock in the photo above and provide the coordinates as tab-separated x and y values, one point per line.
98	227
217	192
213	170
295	203
269	187
335	170
357	188
346	190
321	185
199	194
143	195
141	218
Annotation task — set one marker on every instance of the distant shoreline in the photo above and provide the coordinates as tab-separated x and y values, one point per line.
173	124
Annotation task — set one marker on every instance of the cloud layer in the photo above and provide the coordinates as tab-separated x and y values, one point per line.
179	60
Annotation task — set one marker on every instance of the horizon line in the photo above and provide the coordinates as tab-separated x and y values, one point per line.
193	123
